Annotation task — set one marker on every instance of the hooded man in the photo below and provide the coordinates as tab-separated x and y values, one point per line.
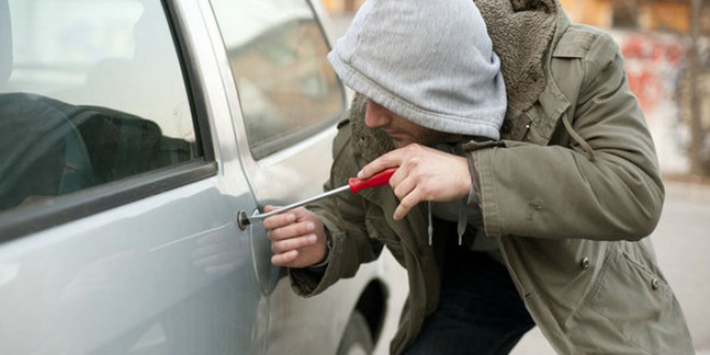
505	213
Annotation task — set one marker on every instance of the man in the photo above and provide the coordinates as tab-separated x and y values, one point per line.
543	227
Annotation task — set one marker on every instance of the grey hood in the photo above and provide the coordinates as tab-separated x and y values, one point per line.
431	62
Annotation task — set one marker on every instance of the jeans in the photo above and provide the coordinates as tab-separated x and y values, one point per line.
480	311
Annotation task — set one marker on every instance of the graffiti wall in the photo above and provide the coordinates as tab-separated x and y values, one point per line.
655	64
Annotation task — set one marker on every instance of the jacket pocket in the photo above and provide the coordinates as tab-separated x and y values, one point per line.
633	298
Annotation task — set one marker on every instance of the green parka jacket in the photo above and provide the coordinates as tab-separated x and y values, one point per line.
569	193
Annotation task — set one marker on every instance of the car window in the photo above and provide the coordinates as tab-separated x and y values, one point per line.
91	92
277	54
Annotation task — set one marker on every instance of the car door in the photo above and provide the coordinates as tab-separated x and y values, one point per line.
285	101
120	183
285	96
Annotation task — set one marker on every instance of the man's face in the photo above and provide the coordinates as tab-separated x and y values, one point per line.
402	131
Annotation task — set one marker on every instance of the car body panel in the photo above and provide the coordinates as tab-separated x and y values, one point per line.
173	272
99	284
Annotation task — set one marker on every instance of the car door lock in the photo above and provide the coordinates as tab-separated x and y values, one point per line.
243	220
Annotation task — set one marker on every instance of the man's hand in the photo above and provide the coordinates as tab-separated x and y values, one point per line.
424	174
297	238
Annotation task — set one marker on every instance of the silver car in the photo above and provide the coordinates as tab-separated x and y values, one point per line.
133	136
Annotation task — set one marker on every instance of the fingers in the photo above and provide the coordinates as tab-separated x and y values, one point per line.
423	174
297	238
392	159
292	237
285	246
285	218
407	171
407	203
300	212
291	231
403	188
284	259
279	220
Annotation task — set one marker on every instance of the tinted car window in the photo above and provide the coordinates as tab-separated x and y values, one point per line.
277	54
90	92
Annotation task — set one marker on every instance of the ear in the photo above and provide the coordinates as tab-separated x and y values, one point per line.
547	6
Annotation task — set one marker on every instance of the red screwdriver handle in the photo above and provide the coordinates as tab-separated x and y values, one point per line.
379	179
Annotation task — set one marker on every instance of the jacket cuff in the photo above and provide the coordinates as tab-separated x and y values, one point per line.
328	246
474	194
483	161
310	281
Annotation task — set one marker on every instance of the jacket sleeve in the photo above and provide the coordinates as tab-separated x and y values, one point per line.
343	216
560	192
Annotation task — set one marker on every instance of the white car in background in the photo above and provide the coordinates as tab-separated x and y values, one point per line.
133	135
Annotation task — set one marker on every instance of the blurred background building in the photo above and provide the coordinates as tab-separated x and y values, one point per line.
339	7
666	46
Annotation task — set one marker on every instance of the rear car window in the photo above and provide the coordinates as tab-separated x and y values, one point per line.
277	53
91	92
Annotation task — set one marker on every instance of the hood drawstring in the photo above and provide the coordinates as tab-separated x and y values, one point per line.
463	220
430	228
460	227
582	143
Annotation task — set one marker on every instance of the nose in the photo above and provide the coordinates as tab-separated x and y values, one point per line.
376	115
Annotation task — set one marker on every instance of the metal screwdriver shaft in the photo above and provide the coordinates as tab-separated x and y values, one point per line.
301	203
354	185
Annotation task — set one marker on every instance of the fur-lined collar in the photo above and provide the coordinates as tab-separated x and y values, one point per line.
522	31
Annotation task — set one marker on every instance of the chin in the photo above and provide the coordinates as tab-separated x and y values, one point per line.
402	142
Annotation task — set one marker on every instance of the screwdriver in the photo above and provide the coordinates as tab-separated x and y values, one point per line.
354	185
